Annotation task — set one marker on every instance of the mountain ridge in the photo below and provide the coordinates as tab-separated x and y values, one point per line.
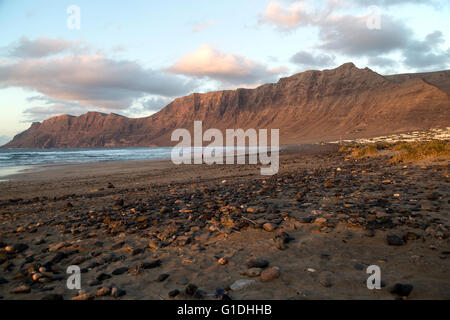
307	107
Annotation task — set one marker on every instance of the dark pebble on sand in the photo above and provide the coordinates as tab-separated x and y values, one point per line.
358	266
394	240
173	293
162	277
258	263
402	290
103	276
151	265
53	297
191	289
120	271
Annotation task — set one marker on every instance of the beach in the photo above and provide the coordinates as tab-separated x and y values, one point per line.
154	230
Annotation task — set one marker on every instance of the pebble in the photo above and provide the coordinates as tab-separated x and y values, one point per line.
162	277
191	289
223	261
151	265
358	266
402	290
53	297
117	293
174	293
103	292
83	297
241	284
21	289
120	271
269	227
102	276
258	263
394	240
17	248
279	243
252	272
325	283
270	274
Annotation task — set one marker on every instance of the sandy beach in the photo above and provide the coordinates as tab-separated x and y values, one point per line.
153	230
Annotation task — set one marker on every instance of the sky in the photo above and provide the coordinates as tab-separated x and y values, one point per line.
134	57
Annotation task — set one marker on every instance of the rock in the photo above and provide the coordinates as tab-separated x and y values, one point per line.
164	210
358	266
151	265
307	219
199	294
119	271
394	240
117	293
279	243
102	276
162	277
3	280
241	284
94	283
21	289
433	196
36	276
154	244
402	290
173	293
191	289
325	283
320	220
269	227
369	233
253	272
103	292
17	248
223	261
119	203
110	185
258	263
83	297
270	274
57	247
53	297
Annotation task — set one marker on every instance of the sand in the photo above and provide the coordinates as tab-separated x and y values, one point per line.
338	212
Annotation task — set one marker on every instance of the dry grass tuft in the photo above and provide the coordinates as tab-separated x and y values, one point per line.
408	152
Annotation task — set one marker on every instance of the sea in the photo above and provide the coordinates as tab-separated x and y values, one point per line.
13	161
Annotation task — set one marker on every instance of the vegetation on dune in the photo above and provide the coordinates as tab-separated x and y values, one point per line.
403	151
406	152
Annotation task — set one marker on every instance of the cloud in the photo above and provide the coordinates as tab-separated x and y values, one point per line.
357	36
286	18
46	107
208	62
427	54
350	35
388	3
91	80
306	59
202	26
40	47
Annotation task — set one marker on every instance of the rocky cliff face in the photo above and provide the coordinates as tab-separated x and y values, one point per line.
307	107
